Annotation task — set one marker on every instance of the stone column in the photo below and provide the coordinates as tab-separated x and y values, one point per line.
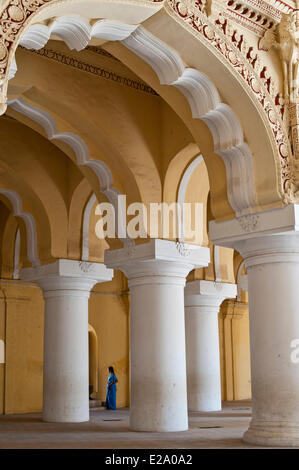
66	286
269	244
157	274
202	304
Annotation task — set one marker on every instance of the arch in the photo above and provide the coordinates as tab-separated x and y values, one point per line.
29	221
85	227
93	358
10	226
201	94
16	272
280	187
242	281
175	170
182	192
18	17
80	148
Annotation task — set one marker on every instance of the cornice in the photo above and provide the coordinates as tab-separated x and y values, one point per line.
93	69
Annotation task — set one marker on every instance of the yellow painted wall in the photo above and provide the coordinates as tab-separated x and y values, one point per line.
234	351
109	316
21	327
21	313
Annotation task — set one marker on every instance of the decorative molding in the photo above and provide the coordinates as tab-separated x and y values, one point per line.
157	262
100	51
200	92
16	271
262	6
16	201
203	99
130	248
77	144
182	194
252	15
293	112
85	227
231	47
68	274
86	267
12	21
183	249
205	104
208	293
94	69
281	221
16	16
248	222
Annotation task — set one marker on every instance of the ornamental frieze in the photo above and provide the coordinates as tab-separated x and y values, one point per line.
228	43
232	48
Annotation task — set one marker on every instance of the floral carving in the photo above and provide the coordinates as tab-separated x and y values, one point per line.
86	267
12	21
248	222
230	44
232	47
182	249
288	46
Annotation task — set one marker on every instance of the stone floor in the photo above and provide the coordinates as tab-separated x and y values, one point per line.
110	430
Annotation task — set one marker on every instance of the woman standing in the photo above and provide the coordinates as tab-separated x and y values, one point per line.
111	390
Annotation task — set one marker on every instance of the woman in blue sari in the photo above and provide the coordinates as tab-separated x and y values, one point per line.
111	390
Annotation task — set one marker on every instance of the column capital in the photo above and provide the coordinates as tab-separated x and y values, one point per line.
156	259
65	274
208	293
263	237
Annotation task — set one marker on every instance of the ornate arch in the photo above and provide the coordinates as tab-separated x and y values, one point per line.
199	91
202	96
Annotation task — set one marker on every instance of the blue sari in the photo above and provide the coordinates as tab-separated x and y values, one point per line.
111	392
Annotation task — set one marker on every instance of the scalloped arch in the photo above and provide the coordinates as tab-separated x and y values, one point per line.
29	221
197	88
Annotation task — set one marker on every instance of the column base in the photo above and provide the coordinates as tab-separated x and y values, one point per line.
169	425
267	433
66	419
204	409
151	428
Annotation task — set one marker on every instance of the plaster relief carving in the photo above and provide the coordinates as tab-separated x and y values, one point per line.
293	109
130	247
12	21
288	45
86	267
218	286
248	222
244	61
182	249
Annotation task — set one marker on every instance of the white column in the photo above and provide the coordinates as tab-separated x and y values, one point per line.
269	243
157	272
66	287
202	304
